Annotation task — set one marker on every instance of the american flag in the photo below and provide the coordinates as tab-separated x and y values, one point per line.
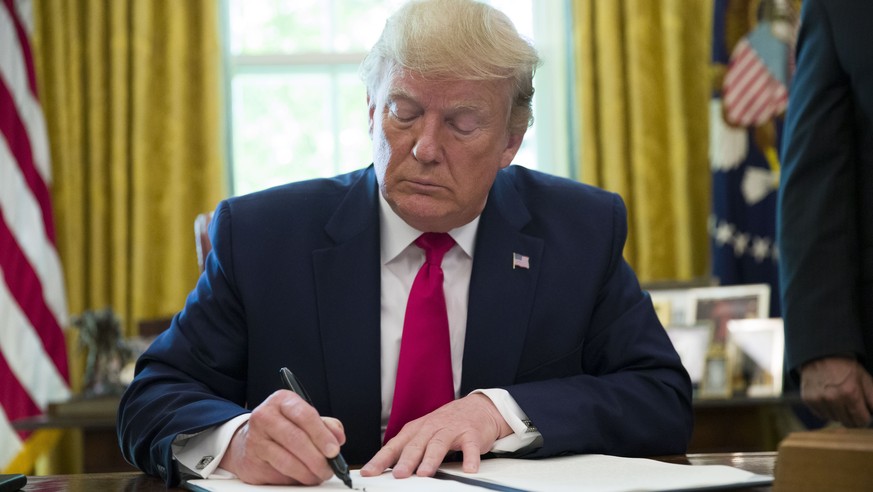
33	309
754	89
520	261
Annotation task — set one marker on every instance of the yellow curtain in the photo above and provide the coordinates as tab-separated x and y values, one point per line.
642	86
131	91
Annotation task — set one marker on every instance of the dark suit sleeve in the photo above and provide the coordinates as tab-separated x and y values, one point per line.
192	377
631	395
818	203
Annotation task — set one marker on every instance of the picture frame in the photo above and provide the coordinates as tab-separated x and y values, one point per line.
758	346
671	306
724	303
663	311
718	372
692	343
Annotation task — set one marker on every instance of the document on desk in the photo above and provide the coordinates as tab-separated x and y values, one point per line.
384	482
581	473
602	473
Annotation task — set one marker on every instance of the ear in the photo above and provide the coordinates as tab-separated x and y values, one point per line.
371	105
513	143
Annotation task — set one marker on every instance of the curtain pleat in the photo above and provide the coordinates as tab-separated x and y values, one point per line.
131	92
131	95
642	86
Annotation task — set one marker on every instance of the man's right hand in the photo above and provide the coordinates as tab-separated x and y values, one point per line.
839	389
285	442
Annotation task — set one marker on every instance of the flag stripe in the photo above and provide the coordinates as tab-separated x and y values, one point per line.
739	67
23	41
739	63
10	440
19	403
752	95
27	294
31	366
21	213
753	72
16	136
13	69
749	95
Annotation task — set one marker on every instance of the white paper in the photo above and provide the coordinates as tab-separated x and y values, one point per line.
582	473
385	482
601	473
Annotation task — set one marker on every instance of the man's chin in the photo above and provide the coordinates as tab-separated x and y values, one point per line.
425	214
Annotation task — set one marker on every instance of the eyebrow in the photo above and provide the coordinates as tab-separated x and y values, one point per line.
462	107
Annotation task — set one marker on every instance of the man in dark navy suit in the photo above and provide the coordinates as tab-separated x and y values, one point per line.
553	346
826	212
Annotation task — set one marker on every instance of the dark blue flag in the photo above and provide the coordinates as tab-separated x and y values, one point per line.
751	53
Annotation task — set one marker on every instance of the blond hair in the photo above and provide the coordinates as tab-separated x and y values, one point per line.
458	40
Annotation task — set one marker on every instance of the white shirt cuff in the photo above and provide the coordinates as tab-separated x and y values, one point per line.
201	453
522	433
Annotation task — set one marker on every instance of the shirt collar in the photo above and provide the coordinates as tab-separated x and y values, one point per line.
397	235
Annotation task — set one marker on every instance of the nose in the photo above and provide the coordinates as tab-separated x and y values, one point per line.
428	148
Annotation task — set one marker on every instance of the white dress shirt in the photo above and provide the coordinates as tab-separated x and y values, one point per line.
400	260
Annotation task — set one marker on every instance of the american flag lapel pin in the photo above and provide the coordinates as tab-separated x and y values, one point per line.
520	261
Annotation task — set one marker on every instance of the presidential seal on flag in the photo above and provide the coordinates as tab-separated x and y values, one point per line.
752	50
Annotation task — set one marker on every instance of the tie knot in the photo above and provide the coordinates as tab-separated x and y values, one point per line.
435	245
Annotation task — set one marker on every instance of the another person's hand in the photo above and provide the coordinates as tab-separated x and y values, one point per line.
284	442
839	389
471	425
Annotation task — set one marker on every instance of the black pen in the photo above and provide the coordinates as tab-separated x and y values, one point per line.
337	463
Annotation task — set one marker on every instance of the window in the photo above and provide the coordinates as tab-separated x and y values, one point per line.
297	108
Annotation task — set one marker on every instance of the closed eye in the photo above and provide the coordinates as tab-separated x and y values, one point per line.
403	118
465	123
462	130
403	111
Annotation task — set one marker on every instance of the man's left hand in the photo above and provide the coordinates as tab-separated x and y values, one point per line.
471	425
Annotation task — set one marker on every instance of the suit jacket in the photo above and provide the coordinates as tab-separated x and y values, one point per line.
293	280
826	197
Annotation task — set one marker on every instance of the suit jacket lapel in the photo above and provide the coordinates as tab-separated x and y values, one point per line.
501	296
347	278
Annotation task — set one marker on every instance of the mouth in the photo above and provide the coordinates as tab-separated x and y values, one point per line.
423	186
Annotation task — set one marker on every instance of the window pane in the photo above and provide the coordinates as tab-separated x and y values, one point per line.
277	26
263	27
360	22
520	12
353	141
284	127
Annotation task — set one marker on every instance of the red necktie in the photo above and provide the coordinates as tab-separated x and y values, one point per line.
424	371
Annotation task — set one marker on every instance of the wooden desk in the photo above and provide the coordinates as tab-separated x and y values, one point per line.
742	424
762	463
100	452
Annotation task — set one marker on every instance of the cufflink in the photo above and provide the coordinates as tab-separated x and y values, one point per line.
529	425
204	462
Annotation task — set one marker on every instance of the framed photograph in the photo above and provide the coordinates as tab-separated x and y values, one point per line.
758	346
717	379
671	305
725	303
662	310
692	344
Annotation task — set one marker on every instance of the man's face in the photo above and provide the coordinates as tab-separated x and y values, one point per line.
438	145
